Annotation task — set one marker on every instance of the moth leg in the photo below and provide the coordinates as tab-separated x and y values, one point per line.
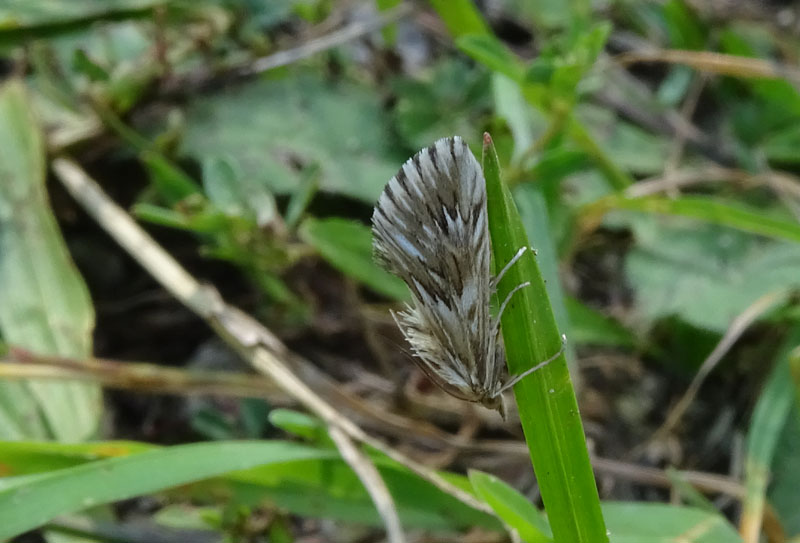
508	299
517	378
496	321
514	259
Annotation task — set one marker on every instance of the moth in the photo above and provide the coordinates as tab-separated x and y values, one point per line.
431	229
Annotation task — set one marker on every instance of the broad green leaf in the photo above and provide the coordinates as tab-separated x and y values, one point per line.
630	147
270	125
512	507
24	14
702	273
44	304
662	523
347	245
235	194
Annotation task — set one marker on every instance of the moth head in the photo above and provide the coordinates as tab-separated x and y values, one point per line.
495	402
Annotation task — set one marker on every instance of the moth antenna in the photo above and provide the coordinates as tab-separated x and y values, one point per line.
517	378
514	259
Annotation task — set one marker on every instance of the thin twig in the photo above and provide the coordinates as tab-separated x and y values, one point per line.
782	183
256	344
714	62
741	323
152	378
140	376
349	33
687	110
367	472
204	78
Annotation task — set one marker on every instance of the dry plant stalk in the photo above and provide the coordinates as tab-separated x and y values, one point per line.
255	343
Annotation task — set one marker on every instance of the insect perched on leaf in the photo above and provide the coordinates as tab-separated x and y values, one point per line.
431	229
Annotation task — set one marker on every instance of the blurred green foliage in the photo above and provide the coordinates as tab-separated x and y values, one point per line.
275	171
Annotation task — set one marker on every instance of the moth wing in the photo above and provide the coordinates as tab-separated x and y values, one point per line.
431	229
431	359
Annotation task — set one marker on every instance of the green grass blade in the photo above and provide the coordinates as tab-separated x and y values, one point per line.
546	400
515	509
33	502
305	480
730	214
460	17
767	424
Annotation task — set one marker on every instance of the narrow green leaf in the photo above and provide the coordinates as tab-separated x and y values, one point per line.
33	502
29	457
510	105
688	493
201	222
297	423
590	327
730	214
794	366
389	32
171	182
534	216
347	245
302	196
546	400
44	304
769	418
460	17
315	483
513	508
490	51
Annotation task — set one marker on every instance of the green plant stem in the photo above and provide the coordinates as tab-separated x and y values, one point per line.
547	405
617	177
